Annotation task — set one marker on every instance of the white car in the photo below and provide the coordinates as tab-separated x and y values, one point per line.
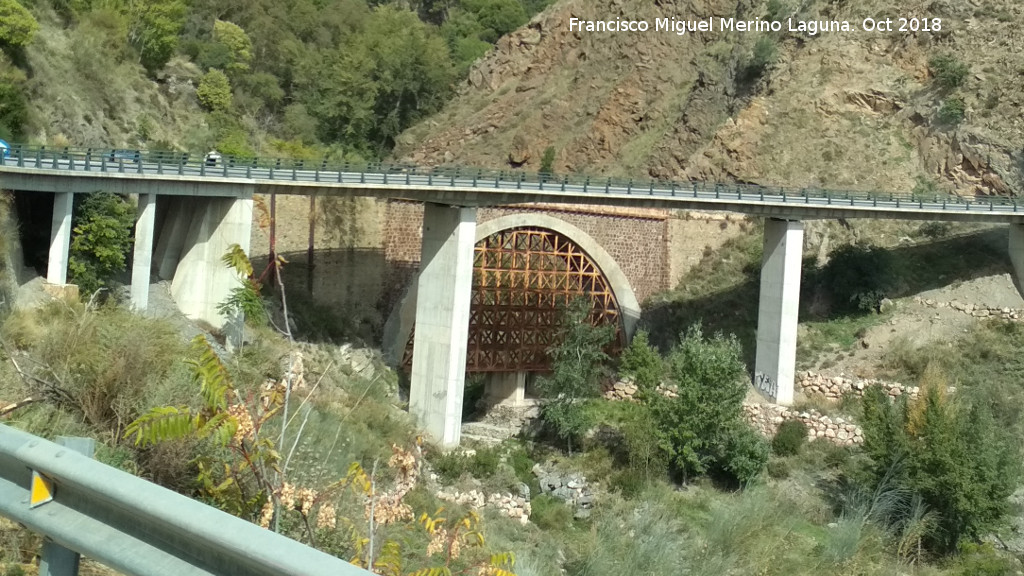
212	158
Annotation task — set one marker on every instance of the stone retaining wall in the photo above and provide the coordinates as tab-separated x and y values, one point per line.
515	507
766	418
834	387
1013	314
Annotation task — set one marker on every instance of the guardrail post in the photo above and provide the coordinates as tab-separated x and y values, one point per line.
120	165
57	560
608	186
39	158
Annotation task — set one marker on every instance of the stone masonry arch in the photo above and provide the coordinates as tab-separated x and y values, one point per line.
399	326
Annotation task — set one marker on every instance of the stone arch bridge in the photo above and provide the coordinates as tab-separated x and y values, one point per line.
526	267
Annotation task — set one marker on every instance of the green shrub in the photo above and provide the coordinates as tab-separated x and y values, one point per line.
450	466
702	429
952	111
100	241
647	458
17	26
550	513
778	469
777	10
214	91
762	57
576	363
547	161
983	560
484	463
949	453
858	277
790	438
642	361
746	454
949	72
13	101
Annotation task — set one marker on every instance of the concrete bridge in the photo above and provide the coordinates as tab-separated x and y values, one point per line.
206	208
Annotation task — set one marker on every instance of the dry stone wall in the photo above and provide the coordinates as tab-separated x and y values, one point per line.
1013	314
835	387
515	507
766	418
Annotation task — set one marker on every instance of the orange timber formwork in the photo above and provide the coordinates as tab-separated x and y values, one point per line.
522	279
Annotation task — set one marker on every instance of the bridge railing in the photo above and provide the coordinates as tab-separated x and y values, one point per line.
137	527
279	169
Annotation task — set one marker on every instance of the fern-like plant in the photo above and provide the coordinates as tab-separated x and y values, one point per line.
244	299
227	420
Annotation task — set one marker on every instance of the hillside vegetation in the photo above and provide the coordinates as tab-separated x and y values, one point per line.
304	78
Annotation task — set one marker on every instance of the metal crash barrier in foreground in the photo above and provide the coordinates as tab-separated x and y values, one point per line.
135	526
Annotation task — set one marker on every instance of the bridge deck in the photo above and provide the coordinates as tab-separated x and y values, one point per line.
40	170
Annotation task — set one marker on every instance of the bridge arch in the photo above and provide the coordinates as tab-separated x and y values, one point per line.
399	327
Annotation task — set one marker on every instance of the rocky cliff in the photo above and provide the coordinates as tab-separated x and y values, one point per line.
840	109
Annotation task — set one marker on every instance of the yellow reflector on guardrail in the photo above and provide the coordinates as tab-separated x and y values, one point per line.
42	490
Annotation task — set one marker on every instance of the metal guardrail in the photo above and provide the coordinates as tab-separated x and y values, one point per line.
139	528
375	174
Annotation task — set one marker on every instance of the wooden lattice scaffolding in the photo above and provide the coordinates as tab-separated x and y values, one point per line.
522	279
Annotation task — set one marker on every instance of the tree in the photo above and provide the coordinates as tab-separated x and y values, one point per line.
642	361
17	26
948	453
378	83
497	17
237	42
13	102
153	30
576	363
214	91
702	429
101	238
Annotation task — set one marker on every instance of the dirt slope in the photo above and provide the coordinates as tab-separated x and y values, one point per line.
855	109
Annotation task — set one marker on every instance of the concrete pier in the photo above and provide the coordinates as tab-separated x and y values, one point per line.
143	256
201	280
60	238
778	309
506	389
1017	255
444	291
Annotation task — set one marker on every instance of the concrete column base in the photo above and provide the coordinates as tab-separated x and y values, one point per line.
506	389
201	280
143	256
443	298
60	238
778	309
